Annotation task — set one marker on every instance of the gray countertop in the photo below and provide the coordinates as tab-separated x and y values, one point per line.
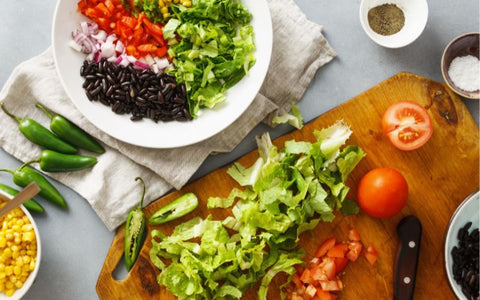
75	242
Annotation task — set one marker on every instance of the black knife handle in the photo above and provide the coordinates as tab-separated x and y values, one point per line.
409	231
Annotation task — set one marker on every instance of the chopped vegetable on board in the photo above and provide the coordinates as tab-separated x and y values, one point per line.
321	276
285	192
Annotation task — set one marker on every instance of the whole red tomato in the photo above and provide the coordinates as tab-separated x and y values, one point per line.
382	192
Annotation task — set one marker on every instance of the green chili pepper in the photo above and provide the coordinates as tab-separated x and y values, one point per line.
135	232
51	161
40	135
179	207
71	133
30	204
25	175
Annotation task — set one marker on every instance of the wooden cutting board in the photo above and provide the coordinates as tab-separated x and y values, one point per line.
440	175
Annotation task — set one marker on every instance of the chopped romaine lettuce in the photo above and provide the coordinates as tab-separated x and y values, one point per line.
285	192
215	50
295	118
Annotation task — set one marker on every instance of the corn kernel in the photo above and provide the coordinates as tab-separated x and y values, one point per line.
18	250
187	3
164	10
19	284
166	15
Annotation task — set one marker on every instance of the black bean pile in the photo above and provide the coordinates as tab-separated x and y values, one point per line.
465	261
139	92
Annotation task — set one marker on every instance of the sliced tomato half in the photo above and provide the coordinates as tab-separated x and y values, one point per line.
407	125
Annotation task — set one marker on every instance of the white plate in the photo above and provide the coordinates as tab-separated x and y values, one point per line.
467	211
147	133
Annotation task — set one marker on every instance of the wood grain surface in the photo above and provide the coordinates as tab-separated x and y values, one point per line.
440	175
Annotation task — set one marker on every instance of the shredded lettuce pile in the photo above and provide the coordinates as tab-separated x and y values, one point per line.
285	192
215	49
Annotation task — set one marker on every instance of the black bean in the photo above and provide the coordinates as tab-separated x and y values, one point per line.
110	91
141	93
96	90
465	261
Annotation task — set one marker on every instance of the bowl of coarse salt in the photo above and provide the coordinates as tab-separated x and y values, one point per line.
461	65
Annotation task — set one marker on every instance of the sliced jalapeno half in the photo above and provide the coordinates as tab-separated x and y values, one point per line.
178	208
134	232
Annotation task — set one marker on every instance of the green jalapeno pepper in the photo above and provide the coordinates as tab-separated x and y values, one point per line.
71	133
135	232
179	207
40	135
25	175
30	204
51	161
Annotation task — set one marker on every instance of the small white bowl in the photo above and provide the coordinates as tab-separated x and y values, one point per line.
467	211
31	278
463	45
416	16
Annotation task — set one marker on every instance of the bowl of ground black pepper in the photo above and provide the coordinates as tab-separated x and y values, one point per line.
394	23
461	65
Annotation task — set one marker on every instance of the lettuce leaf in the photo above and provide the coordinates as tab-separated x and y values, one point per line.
286	192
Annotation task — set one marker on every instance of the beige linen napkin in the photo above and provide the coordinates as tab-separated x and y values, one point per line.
299	49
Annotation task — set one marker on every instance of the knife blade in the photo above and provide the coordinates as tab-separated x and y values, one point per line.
409	231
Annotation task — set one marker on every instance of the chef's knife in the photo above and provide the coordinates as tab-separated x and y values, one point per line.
409	231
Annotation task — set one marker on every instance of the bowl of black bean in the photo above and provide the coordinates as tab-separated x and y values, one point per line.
462	249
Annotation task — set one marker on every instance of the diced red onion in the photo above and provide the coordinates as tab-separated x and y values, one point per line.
141	65
100	36
119	46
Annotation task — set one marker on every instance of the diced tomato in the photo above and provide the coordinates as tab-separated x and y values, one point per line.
296	297
306	276
338	250
325	270
353	235
371	254
324	295
340	264
354	250
323	249
331	285
296	280
310	291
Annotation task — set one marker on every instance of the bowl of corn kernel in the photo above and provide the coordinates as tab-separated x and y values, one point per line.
20	251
